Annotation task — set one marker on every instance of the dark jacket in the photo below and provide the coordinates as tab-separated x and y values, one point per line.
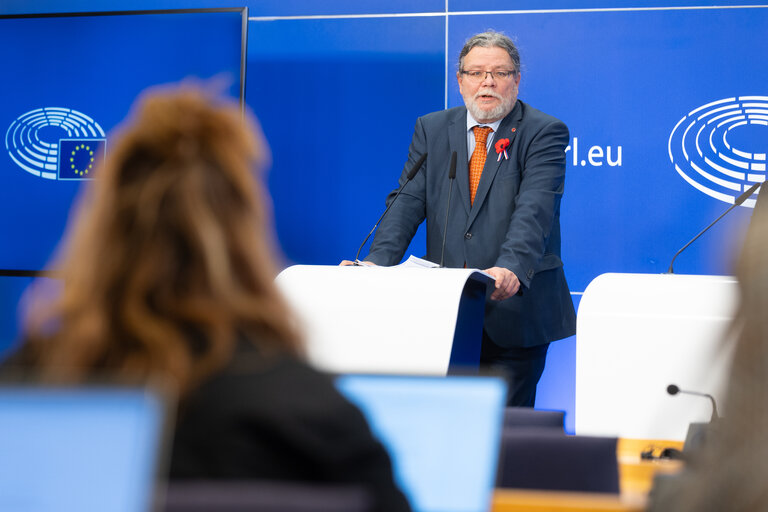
275	418
514	222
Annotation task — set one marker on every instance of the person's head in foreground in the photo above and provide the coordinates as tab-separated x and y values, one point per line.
168	260
167	272
729	472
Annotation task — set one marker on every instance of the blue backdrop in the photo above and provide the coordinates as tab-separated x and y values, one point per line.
94	66
338	87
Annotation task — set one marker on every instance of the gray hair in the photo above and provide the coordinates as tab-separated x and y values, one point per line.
490	39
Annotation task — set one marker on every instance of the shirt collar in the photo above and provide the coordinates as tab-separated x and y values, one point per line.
471	123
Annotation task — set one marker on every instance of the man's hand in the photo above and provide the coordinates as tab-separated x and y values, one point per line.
347	263
507	283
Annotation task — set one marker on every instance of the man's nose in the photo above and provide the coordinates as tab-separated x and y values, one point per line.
488	79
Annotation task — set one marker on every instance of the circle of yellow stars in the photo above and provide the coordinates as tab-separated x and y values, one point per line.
83	147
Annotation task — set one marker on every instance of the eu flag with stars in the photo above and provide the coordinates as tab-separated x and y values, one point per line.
78	158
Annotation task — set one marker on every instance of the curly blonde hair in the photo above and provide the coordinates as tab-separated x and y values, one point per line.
168	262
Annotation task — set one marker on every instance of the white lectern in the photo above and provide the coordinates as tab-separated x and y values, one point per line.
638	333
388	319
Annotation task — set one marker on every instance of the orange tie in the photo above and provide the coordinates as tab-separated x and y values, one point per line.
477	161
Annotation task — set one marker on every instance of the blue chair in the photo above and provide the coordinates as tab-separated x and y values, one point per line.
551	461
264	496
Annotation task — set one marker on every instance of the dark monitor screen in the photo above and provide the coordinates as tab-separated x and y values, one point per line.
67	81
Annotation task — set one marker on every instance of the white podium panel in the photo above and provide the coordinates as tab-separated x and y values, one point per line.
387	319
638	333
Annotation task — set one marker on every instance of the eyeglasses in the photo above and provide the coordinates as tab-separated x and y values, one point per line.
479	76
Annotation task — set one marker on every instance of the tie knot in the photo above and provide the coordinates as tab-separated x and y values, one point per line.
481	134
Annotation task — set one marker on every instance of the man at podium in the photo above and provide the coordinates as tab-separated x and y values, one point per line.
505	213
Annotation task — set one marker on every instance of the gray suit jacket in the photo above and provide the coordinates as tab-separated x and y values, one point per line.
514	222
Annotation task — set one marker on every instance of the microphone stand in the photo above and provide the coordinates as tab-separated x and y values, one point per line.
743	197
408	178
451	178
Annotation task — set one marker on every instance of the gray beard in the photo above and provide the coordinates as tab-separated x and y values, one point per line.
482	116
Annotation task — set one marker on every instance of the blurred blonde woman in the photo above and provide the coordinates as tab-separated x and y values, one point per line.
730	472
168	270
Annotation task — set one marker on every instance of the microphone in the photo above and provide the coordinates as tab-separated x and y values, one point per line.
743	197
408	178
451	178
672	389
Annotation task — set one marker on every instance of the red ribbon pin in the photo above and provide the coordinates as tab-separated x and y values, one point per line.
501	148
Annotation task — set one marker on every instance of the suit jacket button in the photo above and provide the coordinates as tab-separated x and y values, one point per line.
468	236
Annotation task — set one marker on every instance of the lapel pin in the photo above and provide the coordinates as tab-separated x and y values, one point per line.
501	148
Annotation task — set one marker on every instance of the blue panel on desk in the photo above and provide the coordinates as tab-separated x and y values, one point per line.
338	100
76	449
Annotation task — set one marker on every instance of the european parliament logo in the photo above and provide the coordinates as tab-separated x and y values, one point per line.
56	143
720	148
